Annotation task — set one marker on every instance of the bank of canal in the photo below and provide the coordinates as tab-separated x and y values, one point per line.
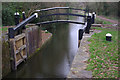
55	58
79	64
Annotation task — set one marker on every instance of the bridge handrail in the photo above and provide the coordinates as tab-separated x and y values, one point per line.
71	14
55	21
53	8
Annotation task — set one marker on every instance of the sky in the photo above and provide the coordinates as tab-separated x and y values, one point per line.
59	0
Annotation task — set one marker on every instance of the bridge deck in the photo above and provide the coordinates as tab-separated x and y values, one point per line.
56	21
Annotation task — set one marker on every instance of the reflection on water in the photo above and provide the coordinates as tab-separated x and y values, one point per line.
55	58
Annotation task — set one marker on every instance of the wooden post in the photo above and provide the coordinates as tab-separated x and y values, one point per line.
12	55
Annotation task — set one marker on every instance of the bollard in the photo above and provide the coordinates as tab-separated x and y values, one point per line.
80	36
93	17
108	37
16	18
90	14
88	24
95	14
23	13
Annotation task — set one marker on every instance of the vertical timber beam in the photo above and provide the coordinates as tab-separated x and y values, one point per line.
12	55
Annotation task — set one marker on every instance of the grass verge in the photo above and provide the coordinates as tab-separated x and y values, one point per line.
4	29
103	60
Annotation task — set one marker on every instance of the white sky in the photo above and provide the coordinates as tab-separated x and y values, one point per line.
59	0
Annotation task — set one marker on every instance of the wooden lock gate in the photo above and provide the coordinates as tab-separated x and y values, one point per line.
18	42
18	50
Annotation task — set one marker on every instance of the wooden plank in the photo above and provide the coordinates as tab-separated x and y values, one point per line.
12	54
24	40
18	37
24	52
21	60
18	57
18	44
21	48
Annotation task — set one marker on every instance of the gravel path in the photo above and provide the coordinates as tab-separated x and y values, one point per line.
79	63
112	21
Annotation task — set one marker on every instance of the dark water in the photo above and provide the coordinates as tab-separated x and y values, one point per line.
55	58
